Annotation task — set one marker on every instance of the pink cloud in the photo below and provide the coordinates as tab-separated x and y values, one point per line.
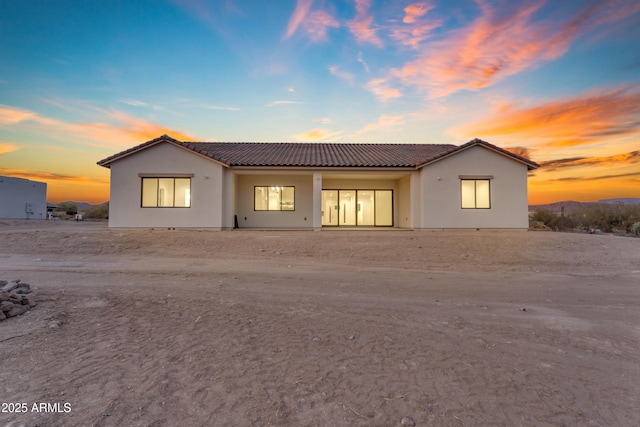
361	25
380	88
298	17
318	23
414	11
501	42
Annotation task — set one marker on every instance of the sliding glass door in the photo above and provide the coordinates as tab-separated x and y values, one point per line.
351	208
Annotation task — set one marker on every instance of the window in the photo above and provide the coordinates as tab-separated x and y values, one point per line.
475	193
166	192
274	198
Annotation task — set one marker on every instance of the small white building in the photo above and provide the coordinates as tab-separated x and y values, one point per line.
165	183
22	199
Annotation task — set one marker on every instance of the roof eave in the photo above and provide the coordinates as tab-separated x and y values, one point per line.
164	138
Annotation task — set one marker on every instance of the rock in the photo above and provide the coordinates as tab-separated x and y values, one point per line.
406	421
17	310
6	306
14	298
22	289
10	286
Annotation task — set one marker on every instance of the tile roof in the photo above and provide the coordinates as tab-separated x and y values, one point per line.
294	154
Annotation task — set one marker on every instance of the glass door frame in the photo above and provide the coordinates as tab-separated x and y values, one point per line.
340	213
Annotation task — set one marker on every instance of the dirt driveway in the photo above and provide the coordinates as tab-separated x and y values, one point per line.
295	328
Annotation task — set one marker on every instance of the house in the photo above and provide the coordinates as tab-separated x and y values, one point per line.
22	198
165	183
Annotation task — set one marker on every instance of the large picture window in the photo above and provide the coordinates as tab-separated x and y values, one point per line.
475	193
166	192
274	198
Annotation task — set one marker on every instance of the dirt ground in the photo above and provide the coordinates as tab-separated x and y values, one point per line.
330	328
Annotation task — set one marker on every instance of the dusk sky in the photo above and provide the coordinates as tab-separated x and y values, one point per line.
556	81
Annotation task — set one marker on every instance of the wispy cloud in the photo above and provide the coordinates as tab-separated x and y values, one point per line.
316	135
595	178
385	122
586	119
122	128
503	40
362	25
48	176
344	75
7	148
415	27
381	88
278	103
222	108
318	24
364	64
624	159
12	115
297	18
134	102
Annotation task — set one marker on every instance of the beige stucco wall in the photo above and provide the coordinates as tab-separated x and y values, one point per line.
301	217
440	186
207	184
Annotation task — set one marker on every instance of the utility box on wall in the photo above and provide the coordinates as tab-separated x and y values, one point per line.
22	198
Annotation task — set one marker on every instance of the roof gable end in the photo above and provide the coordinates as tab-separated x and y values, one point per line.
478	142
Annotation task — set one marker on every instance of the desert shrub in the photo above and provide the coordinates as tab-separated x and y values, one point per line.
553	220
635	229
70	208
607	217
100	211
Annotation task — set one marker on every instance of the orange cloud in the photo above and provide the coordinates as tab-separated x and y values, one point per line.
360	26
142	130
317	135
125	130
501	42
66	187
385	122
49	176
607	161
575	121
7	148
11	115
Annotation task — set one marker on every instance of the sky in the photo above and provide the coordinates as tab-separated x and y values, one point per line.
555	81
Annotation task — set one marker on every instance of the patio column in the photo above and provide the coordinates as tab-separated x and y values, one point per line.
317	201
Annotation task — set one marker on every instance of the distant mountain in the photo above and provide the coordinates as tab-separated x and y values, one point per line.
558	206
623	200
82	206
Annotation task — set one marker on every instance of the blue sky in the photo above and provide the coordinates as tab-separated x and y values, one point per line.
556	81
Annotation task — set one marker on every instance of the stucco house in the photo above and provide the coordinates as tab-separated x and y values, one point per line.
22	198
165	183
